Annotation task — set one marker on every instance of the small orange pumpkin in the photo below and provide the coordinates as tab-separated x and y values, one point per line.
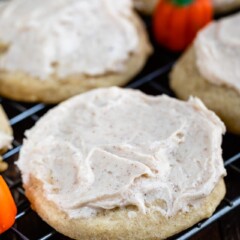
176	22
8	209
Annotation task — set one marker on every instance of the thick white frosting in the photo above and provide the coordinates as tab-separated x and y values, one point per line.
217	49
113	148
66	37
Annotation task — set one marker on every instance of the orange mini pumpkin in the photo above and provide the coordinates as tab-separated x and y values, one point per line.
176	22
8	209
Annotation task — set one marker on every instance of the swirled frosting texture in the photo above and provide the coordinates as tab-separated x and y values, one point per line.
65	37
113	148
218	52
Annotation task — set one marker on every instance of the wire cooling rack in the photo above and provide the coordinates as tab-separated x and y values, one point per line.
152	80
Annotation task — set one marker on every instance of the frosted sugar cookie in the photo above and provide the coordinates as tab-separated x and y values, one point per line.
119	164
5	137
210	70
51	50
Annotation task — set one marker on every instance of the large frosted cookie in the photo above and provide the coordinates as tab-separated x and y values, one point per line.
119	164
5	137
210	70
51	50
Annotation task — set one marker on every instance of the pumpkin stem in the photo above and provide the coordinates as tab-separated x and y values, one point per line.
182	2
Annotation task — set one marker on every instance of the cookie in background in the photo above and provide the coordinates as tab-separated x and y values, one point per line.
220	6
224	6
51	50
145	6
210	70
5	138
